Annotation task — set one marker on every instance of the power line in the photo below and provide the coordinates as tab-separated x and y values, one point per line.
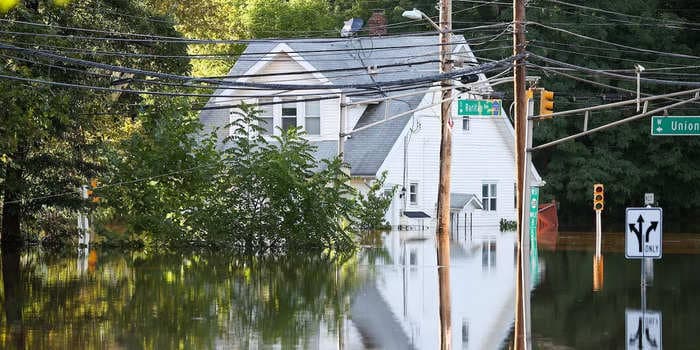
258	56
670	54
166	39
591	82
594	55
614	75
619	13
456	73
597	48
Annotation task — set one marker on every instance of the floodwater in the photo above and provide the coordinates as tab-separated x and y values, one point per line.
386	297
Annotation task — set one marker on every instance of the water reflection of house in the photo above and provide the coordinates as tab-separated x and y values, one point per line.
399	308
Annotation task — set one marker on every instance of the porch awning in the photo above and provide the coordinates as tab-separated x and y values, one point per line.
416	214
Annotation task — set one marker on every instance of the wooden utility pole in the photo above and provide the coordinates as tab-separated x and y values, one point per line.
443	214
521	291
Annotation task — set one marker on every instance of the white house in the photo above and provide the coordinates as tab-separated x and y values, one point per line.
406	147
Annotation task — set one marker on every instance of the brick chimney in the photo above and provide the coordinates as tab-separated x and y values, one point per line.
377	23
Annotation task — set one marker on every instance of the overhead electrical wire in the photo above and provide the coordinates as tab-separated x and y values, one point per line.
258	56
669	54
591	82
539	46
166	39
616	13
614	75
183	94
121	69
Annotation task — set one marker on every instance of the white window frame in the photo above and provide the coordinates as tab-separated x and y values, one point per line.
300	114
261	108
417	192
305	115
297	106
486	200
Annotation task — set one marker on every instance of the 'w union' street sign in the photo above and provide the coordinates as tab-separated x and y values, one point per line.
675	126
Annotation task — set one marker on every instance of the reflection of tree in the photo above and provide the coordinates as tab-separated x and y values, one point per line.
173	300
12	295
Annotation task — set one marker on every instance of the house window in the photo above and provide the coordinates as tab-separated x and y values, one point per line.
313	118
465	122
289	115
488	196
413	193
266	115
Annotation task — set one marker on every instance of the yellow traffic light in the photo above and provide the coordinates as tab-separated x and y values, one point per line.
546	102
598	197
93	183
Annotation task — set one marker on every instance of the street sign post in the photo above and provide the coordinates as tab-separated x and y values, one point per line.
643	233
487	108
675	126
643	329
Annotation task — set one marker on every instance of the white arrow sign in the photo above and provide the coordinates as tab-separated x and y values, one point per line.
643	233
643	329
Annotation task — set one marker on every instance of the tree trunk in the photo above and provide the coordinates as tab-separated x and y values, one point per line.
11	210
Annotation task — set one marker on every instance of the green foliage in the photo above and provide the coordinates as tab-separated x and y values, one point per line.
287	18
160	170
373	206
52	139
256	195
273	194
507	225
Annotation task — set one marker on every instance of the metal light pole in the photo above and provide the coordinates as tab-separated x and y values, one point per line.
443	198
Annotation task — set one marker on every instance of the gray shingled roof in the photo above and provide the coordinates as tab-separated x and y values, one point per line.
460	200
366	150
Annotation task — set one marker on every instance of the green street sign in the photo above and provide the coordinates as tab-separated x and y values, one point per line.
675	126
534	209
479	107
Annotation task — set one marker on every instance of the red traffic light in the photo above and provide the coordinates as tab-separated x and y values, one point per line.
598	197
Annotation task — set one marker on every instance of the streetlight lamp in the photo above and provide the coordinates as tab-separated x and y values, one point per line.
443	213
417	14
638	68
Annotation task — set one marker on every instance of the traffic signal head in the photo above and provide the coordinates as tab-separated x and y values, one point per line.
546	102
598	197
93	183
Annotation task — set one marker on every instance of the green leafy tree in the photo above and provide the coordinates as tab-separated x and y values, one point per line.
52	138
374	204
